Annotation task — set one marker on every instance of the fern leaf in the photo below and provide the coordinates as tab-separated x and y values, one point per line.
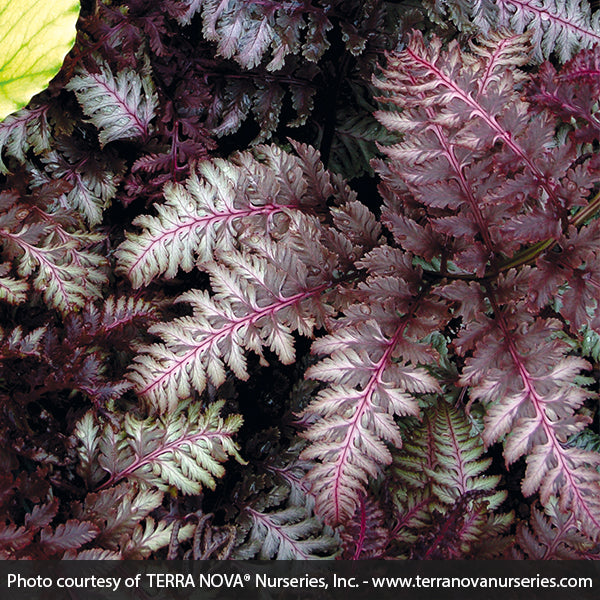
68	536
125	529
120	106
152	536
372	377
24	345
189	226
117	317
317	42
475	110
257	303
254	192
42	515
86	433
570	92
468	200
459	468
287	534
92	554
13	291
465	14
367	538
551	536
184	449
235	98
303	102
587	440
63	270
245	31
355	143
556	26
186	9
438	469
13	537
231	106
529	386
25	129
279	522
563	26
94	183
267	103
117	511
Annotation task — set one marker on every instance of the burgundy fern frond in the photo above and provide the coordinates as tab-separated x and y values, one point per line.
476	184
372	374
450	318
552	536
525	379
570	92
68	536
367	536
479	108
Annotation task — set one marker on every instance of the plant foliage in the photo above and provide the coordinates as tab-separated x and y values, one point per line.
334	241
34	38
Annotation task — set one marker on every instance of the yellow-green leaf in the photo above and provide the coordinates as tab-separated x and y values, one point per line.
35	36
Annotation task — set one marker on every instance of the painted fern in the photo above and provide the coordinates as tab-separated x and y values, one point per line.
277	518
208	211
176	293
48	253
373	377
121	106
183	450
531	402
246	31
25	129
551	535
446	506
267	282
556	26
256	304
